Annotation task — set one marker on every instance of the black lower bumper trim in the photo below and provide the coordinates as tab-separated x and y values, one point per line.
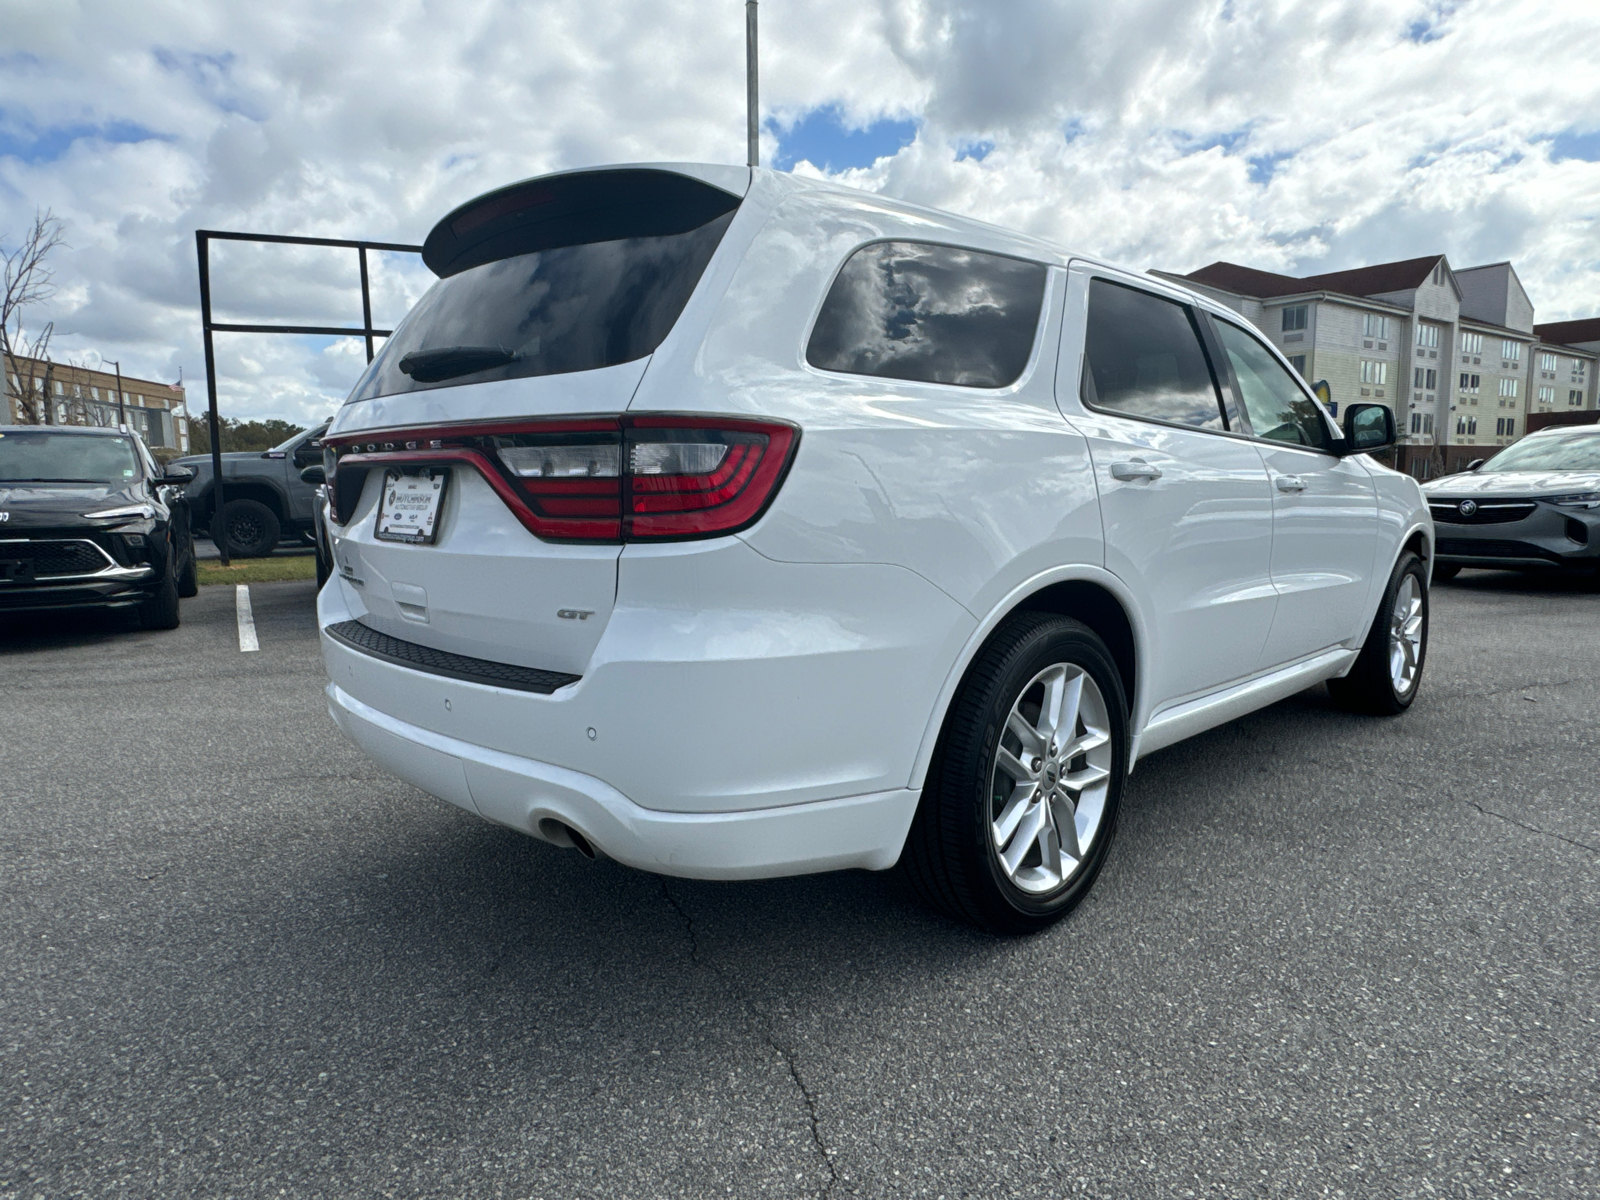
441	662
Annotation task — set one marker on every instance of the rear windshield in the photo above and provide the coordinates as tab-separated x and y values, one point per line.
570	308
36	456
1556	452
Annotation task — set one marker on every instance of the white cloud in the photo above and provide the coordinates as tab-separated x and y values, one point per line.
1290	136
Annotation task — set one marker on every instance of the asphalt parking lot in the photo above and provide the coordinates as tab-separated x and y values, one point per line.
1330	955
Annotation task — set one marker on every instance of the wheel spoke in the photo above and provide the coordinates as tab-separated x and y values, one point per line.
1087	777
1011	816
1030	737
1066	823
1026	834
1090	739
1013	766
1049	849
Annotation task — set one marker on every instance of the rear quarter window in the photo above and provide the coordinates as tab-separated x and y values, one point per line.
930	314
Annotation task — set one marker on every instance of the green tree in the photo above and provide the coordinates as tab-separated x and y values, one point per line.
241	435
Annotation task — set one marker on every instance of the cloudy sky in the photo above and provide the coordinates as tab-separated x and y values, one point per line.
1295	137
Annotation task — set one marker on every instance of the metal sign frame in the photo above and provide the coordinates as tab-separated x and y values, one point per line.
203	239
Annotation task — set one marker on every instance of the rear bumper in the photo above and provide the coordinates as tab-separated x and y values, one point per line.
857	831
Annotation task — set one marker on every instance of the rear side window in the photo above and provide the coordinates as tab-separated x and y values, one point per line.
931	314
570	274
1142	358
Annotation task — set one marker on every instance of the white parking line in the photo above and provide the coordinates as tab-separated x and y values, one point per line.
247	622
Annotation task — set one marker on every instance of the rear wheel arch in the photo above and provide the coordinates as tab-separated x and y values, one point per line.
1094	597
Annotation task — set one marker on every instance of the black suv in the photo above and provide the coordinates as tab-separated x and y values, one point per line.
88	520
264	495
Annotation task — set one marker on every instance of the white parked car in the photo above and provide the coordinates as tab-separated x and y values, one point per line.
732	524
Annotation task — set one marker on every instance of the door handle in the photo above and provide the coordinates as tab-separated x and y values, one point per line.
1290	483
1137	469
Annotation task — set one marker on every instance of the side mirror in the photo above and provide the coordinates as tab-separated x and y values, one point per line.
177	476
1367	427
314	475
1476	463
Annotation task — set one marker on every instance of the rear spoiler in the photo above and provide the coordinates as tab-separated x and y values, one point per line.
574	209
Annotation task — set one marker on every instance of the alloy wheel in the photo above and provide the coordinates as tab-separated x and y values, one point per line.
1405	635
1051	774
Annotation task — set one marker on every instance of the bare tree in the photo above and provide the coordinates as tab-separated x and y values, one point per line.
29	282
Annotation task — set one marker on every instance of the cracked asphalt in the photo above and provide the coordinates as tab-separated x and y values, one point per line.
1329	955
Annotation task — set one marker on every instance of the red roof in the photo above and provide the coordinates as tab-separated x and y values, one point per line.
1362	281
1567	333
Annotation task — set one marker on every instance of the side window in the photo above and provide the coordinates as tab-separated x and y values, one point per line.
932	314
1277	408
1142	358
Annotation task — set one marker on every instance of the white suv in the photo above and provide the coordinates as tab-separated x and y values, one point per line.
732	524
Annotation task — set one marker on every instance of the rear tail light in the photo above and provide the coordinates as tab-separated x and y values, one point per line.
610	479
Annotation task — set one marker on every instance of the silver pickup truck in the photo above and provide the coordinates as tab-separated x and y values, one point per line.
264	497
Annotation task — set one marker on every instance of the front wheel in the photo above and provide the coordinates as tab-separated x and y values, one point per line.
189	574
160	610
250	527
1020	806
1387	673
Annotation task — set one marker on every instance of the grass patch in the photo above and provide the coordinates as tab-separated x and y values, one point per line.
259	570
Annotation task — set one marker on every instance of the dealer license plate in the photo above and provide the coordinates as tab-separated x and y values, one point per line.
408	510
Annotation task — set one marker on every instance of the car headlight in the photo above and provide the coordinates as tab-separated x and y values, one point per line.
129	518
1577	500
127	511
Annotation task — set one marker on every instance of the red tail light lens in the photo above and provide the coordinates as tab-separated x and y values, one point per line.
605	479
696	478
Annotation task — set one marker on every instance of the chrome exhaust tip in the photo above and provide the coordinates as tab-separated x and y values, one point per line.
559	833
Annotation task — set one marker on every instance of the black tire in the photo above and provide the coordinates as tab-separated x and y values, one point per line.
161	610
951	858
250	527
189	572
1370	686
1445	572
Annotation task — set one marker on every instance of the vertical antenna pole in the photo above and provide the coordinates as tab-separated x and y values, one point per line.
366	301
203	248
752	88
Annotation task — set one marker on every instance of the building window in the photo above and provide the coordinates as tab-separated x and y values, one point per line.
1298	362
1472	343
1373	371
1508	387
1438	272
1427	335
1511	350
1505	427
1547	395
1574	397
1431	379
1416	422
1469	383
1375	326
1294	318
1547	362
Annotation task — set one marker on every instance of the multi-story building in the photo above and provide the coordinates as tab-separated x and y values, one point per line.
1455	354
46	393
